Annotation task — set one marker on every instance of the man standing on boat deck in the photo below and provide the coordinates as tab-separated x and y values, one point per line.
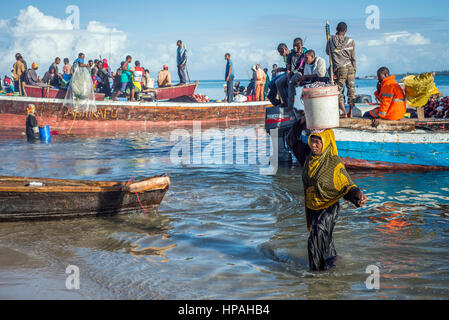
229	77
126	79
18	73
55	65
181	60
342	50
80	61
391	96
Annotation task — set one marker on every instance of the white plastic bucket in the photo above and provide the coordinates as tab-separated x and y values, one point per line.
321	107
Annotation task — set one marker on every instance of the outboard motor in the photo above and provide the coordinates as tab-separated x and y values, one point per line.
363	98
279	118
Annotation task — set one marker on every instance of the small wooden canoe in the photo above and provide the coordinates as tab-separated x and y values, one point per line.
32	91
38	198
173	92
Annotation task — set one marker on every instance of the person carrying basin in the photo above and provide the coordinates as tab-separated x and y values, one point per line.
325	181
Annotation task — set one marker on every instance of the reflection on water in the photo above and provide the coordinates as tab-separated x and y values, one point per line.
221	232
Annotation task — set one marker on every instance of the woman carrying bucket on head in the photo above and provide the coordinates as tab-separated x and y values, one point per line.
325	181
32	130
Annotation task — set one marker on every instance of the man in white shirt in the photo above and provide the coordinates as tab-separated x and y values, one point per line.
315	66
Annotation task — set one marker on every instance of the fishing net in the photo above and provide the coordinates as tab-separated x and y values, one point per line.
80	96
418	89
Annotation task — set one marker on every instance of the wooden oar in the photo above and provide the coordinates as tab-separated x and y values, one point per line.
48	88
187	70
330	52
188	76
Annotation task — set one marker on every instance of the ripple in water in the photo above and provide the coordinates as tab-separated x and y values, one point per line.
221	232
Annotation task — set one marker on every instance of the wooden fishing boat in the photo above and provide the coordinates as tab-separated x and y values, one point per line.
174	91
39	198
126	116
407	144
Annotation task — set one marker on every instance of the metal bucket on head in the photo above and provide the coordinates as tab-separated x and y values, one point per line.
321	107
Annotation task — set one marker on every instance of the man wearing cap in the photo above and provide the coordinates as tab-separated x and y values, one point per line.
32	130
164	78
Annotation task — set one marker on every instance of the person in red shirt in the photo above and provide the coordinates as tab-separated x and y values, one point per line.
392	98
138	75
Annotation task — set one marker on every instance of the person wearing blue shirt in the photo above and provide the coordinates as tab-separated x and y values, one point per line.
80	61
181	60
229	77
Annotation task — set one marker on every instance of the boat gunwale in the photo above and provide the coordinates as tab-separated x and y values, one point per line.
83	186
134	104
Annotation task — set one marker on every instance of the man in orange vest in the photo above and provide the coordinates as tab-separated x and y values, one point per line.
391	96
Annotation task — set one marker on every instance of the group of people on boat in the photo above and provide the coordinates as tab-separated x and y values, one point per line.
303	66
127	79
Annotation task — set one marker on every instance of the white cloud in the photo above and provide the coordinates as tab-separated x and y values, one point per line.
400	38
41	38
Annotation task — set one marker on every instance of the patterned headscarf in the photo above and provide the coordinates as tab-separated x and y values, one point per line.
325	177
31	109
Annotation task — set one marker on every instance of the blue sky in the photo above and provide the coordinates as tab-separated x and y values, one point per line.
413	35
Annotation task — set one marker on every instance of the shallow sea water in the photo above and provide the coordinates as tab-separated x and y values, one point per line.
221	232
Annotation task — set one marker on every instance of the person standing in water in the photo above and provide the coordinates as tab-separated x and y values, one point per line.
32	130
325	181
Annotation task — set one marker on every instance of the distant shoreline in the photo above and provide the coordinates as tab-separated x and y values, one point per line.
437	73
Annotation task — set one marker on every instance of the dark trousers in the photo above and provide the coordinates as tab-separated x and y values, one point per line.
230	89
181	74
282	86
107	88
274	90
321	243
292	84
17	87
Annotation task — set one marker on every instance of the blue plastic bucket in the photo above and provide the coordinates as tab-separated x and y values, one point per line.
45	133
